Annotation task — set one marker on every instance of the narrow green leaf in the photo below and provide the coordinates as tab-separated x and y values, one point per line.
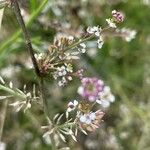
4	97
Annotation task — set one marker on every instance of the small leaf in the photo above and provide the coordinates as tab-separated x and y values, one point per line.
74	138
62	137
20	92
84	131
59	118
4	97
76	131
64	132
56	116
11	85
1	80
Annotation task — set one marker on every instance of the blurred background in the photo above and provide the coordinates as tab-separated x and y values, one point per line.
125	66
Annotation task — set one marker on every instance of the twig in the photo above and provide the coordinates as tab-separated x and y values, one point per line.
30	49
26	35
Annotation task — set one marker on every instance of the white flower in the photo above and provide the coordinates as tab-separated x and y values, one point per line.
92	116
62	82
82	119
61	71
128	34
88	121
87	118
83	45
103	103
94	30
69	78
114	11
72	105
105	97
80	90
100	42
71	38
83	48
111	23
39	56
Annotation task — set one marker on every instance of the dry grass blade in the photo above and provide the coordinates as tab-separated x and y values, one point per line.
1	16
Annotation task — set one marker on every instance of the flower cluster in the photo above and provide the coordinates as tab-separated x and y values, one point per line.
85	119
97	32
64	74
90	121
94	90
58	61
90	88
117	17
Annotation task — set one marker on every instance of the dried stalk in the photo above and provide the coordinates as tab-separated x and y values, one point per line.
16	9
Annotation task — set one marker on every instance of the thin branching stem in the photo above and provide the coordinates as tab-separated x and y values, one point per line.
31	52
84	39
26	35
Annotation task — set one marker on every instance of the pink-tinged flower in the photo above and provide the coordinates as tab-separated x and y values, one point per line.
90	88
79	73
91	121
118	16
72	105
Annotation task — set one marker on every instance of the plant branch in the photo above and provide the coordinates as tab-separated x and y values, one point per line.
26	35
84	39
30	49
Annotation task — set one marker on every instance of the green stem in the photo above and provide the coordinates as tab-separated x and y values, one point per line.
70	124
79	42
26	35
12	92
31	52
84	39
